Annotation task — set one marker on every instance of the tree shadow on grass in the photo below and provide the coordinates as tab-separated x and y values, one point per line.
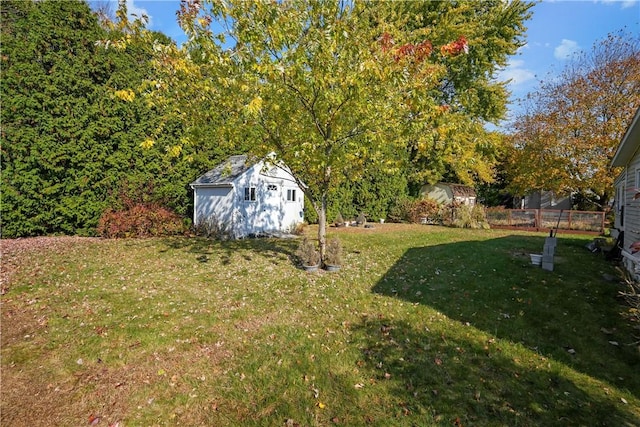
451	379
490	289
223	252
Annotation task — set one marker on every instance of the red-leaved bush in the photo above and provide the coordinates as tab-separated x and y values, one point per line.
140	220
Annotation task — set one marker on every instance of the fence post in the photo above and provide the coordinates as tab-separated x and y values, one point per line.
569	226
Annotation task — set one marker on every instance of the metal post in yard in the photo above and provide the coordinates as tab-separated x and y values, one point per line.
558	223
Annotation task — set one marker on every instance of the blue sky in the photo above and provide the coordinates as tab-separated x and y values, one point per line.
557	30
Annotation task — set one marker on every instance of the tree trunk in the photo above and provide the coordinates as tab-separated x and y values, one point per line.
322	225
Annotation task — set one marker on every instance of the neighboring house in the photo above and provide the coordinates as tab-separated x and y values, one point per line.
627	199
248	196
543	200
445	193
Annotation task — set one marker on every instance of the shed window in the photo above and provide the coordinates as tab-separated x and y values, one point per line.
291	195
249	194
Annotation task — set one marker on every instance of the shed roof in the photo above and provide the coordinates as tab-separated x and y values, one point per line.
226	172
460	190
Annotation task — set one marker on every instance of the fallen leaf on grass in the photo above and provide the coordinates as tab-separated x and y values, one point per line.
438	361
94	420
359	386
321	405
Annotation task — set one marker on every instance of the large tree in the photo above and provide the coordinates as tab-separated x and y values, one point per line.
332	88
468	87
568	134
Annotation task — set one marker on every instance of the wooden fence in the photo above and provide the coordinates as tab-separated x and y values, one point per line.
547	219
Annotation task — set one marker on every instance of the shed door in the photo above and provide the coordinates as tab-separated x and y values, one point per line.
271	208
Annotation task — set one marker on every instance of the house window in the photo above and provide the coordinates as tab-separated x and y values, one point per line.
272	187
291	195
249	194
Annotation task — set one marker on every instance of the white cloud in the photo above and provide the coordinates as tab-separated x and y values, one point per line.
516	73
566	49
132	9
624	4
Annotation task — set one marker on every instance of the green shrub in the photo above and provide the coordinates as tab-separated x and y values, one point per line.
399	210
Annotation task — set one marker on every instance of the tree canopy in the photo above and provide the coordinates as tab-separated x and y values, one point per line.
337	88
357	98
567	136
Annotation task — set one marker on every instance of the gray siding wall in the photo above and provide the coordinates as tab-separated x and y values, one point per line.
631	205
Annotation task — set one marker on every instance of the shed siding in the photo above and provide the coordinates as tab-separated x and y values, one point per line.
213	203
269	211
439	193
443	193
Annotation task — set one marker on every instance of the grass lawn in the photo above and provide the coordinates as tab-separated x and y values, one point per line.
422	326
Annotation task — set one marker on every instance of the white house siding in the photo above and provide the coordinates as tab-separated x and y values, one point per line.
631	216
631	205
627	156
